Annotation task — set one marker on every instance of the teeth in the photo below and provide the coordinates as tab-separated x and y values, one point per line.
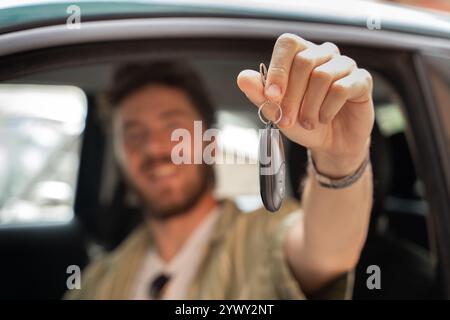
163	170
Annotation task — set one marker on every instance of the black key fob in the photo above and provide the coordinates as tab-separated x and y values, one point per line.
272	167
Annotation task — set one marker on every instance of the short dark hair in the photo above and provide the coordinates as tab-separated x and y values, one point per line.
133	76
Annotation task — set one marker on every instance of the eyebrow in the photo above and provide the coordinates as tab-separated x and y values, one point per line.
131	124
171	113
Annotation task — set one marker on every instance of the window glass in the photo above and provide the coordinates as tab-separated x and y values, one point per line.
238	178
438	68
40	126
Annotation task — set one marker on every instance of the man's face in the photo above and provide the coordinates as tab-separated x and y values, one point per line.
146	119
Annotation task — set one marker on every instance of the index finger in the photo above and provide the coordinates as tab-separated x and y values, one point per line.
284	51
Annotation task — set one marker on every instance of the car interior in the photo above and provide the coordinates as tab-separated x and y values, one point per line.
99	213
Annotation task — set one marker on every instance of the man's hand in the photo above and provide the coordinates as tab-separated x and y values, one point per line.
326	101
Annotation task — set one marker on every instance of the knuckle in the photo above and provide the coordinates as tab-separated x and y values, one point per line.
367	77
331	47
339	89
287	40
304	60
366	74
363	77
347	60
278	73
320	75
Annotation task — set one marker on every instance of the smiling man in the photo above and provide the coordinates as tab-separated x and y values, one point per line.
194	246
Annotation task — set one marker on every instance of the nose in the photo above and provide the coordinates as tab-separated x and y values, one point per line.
158	144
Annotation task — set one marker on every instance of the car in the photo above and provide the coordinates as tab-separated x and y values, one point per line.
63	202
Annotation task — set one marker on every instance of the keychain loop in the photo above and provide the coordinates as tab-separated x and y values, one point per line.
261	117
263	73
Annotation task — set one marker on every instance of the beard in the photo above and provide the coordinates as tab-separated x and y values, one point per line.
193	192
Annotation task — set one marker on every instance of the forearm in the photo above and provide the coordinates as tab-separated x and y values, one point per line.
336	221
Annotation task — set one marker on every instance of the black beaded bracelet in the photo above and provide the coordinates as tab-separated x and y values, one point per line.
340	183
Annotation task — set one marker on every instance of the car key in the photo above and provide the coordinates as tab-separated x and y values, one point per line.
272	166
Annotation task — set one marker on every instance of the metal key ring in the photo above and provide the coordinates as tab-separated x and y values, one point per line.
262	106
263	73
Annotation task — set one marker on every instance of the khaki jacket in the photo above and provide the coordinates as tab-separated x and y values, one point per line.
244	259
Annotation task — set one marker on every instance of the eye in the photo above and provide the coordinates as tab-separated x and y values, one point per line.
135	137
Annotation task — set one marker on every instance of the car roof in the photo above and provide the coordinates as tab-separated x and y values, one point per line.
35	13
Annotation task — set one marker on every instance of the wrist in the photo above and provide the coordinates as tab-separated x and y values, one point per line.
339	166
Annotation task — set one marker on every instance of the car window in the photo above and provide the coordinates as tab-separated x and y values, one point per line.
238	139
403	196
438	68
40	126
397	242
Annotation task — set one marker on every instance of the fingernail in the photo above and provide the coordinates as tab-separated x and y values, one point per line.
307	125
284	122
273	91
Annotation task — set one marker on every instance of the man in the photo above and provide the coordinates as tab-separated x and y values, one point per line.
196	247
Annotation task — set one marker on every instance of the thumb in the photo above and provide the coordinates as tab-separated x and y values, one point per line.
250	83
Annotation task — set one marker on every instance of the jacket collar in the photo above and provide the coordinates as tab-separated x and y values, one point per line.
126	262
